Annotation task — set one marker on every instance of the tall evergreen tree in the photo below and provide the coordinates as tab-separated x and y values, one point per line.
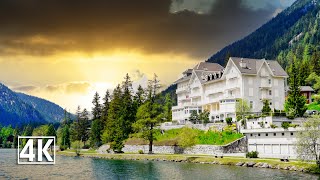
106	104
295	103
128	111
139	97
65	138
150	114
315	62
167	108
113	132
305	71
80	127
96	110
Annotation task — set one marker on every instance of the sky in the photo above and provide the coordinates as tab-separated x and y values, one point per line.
65	51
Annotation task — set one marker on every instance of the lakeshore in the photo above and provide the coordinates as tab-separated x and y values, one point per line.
292	165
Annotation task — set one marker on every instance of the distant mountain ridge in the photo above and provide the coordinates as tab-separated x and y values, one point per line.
299	23
17	109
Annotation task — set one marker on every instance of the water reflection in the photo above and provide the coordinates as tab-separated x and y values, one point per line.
87	168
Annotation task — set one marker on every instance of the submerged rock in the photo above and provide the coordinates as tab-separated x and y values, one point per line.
240	164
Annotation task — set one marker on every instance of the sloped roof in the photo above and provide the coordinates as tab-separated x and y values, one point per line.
208	66
182	79
253	65
306	88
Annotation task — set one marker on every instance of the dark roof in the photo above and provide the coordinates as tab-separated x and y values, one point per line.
253	65
306	88
182	79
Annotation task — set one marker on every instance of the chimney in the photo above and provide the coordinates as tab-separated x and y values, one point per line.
242	64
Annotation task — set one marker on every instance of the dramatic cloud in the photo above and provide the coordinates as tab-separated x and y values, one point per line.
197	28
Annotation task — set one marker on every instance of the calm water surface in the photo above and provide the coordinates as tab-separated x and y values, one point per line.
88	168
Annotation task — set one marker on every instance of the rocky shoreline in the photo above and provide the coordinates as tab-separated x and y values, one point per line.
254	163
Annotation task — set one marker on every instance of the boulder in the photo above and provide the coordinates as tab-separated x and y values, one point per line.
250	164
240	164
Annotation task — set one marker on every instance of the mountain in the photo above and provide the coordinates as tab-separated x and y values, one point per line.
293	32
296	29
49	110
18	109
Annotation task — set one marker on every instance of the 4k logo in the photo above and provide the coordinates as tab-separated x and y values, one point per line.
35	149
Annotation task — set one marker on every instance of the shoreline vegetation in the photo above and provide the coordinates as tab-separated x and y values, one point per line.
292	165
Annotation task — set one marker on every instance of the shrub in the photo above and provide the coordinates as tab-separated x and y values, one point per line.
316	98
87	146
273	126
261	123
285	125
187	138
76	147
63	147
229	120
252	154
140	152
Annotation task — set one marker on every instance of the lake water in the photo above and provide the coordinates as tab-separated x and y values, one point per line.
89	168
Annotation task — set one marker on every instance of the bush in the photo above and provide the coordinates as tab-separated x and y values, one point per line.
62	147
76	147
140	152
87	146
273	126
316	98
285	125
252	154
229	120
187	138
261	123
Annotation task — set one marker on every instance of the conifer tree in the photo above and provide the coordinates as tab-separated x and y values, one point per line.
150	114
113	132
96	110
315	62
106	104
295	103
266	107
167	108
305	71
128	111
139	97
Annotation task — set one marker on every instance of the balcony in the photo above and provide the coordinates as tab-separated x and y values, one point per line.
265	85
214	91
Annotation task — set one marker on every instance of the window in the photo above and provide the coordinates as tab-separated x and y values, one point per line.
282	134
267	134
251	104
259	134
251	135
269	81
274	134
266	122
291	134
270	92
270	103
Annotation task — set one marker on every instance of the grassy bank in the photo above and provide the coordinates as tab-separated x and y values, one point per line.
171	137
292	165
314	106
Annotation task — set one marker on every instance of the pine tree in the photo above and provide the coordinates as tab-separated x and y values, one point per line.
304	72
113	132
167	108
65	138
150	114
106	103
128	111
84	126
266	107
139	97
295	103
315	62
96	110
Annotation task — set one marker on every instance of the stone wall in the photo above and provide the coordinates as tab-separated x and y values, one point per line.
238	146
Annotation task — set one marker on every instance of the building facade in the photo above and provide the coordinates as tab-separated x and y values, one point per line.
209	86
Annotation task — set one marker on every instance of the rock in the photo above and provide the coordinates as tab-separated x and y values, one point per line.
265	165
258	164
293	168
244	165
239	163
250	164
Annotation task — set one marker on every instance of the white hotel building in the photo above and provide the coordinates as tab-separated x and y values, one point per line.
210	86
